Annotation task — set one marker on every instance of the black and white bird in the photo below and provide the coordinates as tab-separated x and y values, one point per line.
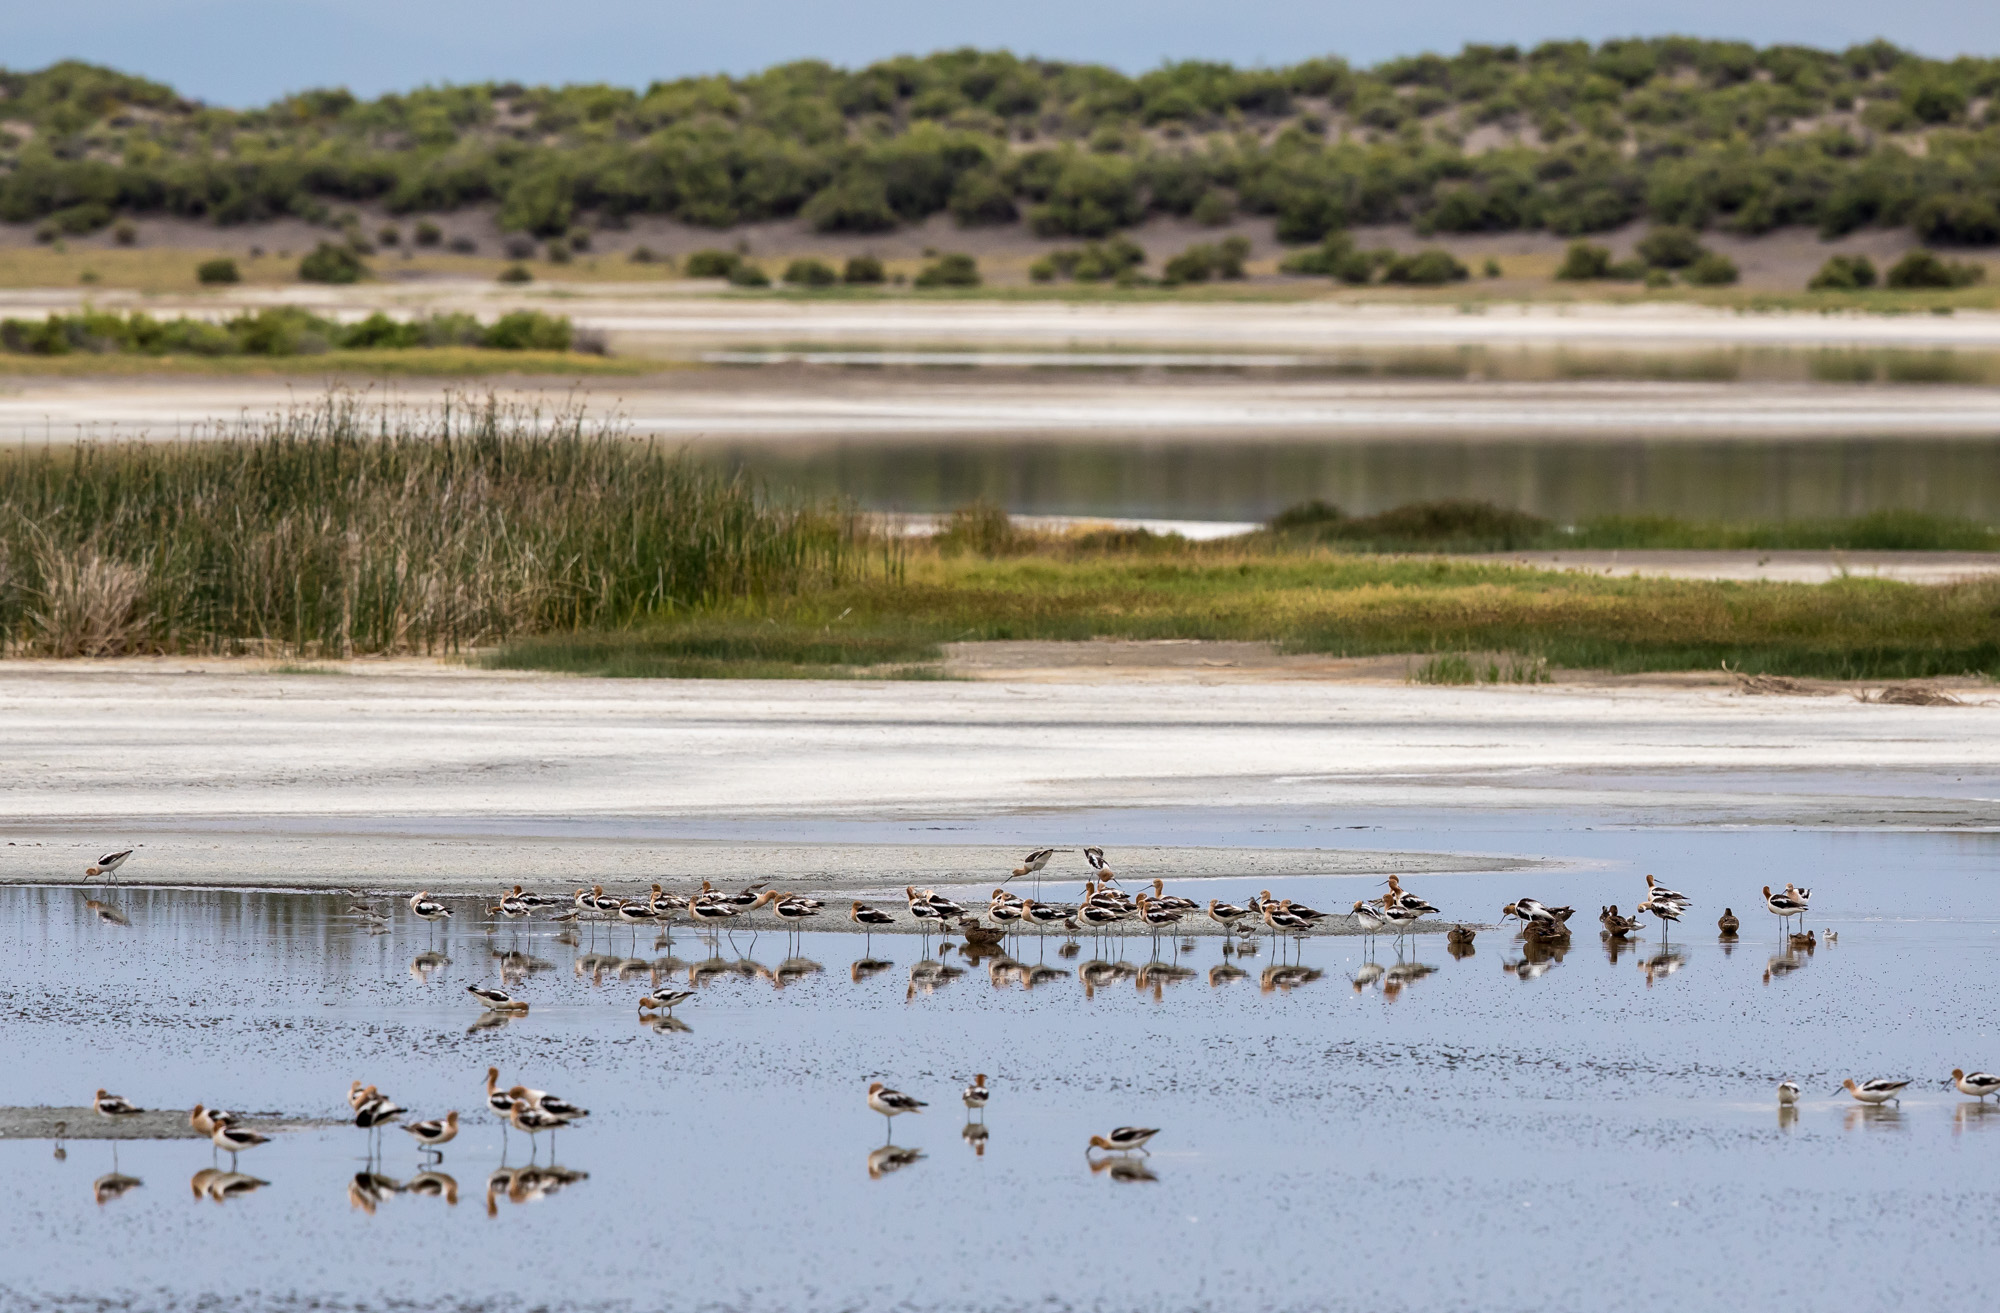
665	1001
235	1139
376	1110
1663	908
1788	1093
864	915
435	1133
498	1000
1978	1084
892	1103
1659	893
1126	1139
428	908
108	863
111	1105
1095	856
976	1094
1369	917
1784	905
1032	863
1224	914
543	1101
1875	1091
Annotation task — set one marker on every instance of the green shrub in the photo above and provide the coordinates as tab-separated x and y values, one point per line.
1213	209
642	255
711	264
747	274
857	203
1922	269
463	246
1670	246
212	272
861	270
950	271
1433	267
558	251
1334	257
810	273
1960	220
529	330
1491	268
389	236
428	233
1711	270
516	273
982	197
1584	262
1197	264
329	263
125	233
1843	273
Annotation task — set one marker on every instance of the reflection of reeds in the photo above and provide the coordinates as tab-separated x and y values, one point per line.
340	530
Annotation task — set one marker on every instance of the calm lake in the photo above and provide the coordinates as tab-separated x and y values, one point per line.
1388	1128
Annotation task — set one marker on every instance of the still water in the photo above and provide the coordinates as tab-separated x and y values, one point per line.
1384	1129
1245	478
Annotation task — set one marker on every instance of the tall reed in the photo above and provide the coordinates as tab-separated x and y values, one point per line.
342	529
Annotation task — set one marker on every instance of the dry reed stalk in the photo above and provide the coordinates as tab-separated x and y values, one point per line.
89	604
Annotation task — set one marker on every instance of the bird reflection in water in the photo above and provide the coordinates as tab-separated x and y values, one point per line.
1973	1116
867	968
218	1185
434	1185
1284	977
1616	947
516	967
930	975
891	1158
1460	949
1155	976
490	1020
1225	973
794	969
1662	964
1780	965
1069	948
1366	976
113	1185
368	1190
106	913
526	1185
664	1023
1875	1116
1123	1169
1098	974
974	1134
427	964
62	1129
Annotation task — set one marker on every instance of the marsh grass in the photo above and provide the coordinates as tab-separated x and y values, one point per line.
342	529
1464	668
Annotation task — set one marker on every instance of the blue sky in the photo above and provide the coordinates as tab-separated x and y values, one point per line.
241	52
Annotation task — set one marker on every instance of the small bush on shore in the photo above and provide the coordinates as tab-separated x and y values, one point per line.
329	263
1711	270
810	273
212	273
1429	268
1671	246
1922	269
711	264
861	271
950	271
748	274
1844	273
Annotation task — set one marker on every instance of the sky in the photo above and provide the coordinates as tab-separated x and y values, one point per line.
248	52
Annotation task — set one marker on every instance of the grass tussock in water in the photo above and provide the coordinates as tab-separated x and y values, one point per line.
344	530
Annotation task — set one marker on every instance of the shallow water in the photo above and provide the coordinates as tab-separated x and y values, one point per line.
1492	1132
1245	477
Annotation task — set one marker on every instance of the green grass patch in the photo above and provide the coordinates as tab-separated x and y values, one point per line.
712	648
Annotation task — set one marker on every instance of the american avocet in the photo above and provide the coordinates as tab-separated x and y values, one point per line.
1006	913
1728	923
864	915
113	1185
1527	909
976	1094
1978	1084
108	863
1784	905
1409	902
892	1103
665	1001
1125	1139
430	1184
922	908
1284	922
376	1110
358	1094
1657	892
1368	917
1033	863
236	1139
498	1101
539	900
1226	915
1095	856
114	1107
891	1158
1665	909
427	907
704	911
543	1101
1155	916
1162	898
1397	917
534	1120
499	1000
1044	914
512	905
205	1120
436	1133
1878	1090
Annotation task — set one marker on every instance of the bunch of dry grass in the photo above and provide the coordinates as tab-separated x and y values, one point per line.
86	605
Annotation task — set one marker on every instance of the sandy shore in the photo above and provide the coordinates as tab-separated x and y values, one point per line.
406	774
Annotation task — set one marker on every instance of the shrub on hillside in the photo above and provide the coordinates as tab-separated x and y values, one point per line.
428	233
1957	220
1843	273
950	271
1433	267
218	271
1198	264
1922	269
857	203
747	274
328	263
980	198
711	264
1711	270
1094	262
1335	257
1584	262
1670	246
861	270
516	273
810	273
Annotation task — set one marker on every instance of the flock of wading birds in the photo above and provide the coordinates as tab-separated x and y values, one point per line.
1101	906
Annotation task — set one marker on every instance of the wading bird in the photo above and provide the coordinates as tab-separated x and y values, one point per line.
1786	905
1874	1091
433	1135
1978	1084
892	1103
976	1095
108	864
1126	1139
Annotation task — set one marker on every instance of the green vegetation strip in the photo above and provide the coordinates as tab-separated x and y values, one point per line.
1565	137
283	331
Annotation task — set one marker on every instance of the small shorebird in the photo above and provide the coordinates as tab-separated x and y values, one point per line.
512	905
534	1120
1527	909
1368	918
976	1094
108	863
114	1107
1617	926
1785	905
1033	863
1978	1084
1397	916
1665	909
704	911
864	915
1282	921
236	1139
665	1001
498	1100
1043	914
1728	923
1459	936
429	909
922	907
1788	1093
892	1103
1874	1091
1658	892
376	1110
497	1000
1095	856
1006	912
205	1120
1164	899
1407	901
1126	1139
436	1133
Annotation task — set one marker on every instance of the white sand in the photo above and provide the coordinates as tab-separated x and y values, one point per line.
408	773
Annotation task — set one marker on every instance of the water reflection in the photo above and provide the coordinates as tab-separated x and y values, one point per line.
368	1190
975	1133
491	1020
664	1023
867	968
526	1185
106	913
427	964
113	1185
215	1184
1121	1168
891	1158
433	1185
1874	1116
1973	1116
929	976
1661	964
1225	973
